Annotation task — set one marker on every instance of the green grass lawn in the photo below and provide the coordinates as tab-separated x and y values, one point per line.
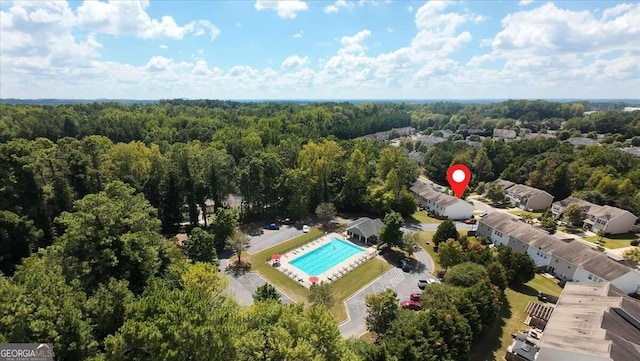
346	286
520	213
342	288
615	240
425	237
498	338
422	217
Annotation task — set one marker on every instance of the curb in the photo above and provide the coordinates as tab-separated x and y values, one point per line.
355	293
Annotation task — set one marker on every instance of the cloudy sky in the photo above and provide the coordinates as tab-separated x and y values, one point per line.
320	49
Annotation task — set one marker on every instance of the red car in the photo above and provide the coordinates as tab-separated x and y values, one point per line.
471	221
410	305
415	297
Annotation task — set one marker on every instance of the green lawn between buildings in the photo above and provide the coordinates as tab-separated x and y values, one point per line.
615	240
498	338
422	217
342	288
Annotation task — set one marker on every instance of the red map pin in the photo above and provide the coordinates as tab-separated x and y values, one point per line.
458	176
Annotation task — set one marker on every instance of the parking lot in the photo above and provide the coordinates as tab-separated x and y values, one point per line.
270	238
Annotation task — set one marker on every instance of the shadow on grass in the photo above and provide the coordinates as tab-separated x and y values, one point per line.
486	346
525	290
622	237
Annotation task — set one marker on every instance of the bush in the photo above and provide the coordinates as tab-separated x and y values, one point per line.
466	274
635	242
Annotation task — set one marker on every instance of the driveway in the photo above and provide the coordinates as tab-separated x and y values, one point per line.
403	283
271	238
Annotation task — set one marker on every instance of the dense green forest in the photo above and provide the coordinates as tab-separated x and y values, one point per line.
88	190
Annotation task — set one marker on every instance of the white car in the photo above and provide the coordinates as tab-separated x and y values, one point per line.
305	229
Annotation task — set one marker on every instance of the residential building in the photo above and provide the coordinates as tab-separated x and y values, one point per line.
591	322
365	229
529	198
632	150
611	220
570	261
558	208
505	184
441	204
504	133
578	141
385	135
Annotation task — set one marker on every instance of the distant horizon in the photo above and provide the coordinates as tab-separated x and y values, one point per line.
326	99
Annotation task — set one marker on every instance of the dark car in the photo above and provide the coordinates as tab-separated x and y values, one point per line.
415	297
471	221
273	227
404	264
410	305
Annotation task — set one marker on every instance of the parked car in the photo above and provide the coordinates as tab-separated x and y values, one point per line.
415	297
483	214
423	283
288	221
471	221
410	305
305	229
404	264
273	227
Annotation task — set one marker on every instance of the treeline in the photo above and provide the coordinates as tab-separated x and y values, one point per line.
176	121
41	179
600	174
110	287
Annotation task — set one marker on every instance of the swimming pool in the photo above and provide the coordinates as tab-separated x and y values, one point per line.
323	258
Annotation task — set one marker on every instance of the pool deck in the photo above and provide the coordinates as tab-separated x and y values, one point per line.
332	273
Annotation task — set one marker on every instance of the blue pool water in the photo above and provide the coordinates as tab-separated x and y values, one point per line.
326	256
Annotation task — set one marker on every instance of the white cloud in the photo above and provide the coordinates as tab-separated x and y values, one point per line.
162	46
410	9
389	30
543	52
294	61
298	35
525	2
286	9
335	7
238	25
351	44
131	18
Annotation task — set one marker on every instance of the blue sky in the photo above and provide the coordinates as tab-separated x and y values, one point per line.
320	49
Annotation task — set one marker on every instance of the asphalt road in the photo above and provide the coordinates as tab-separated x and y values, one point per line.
403	283
271	238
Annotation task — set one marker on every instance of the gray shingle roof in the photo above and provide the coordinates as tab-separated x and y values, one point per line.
571	200
574	252
579	254
505	184
522	190
426	191
608	212
367	226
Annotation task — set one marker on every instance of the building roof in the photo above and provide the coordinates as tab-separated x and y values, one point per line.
426	191
574	252
582	141
521	190
538	135
505	184
504	133
608	212
539	311
632	150
381	136
416	156
591	260
368	227
592	320
571	200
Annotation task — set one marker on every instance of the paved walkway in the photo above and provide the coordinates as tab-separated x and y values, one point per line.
403	283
